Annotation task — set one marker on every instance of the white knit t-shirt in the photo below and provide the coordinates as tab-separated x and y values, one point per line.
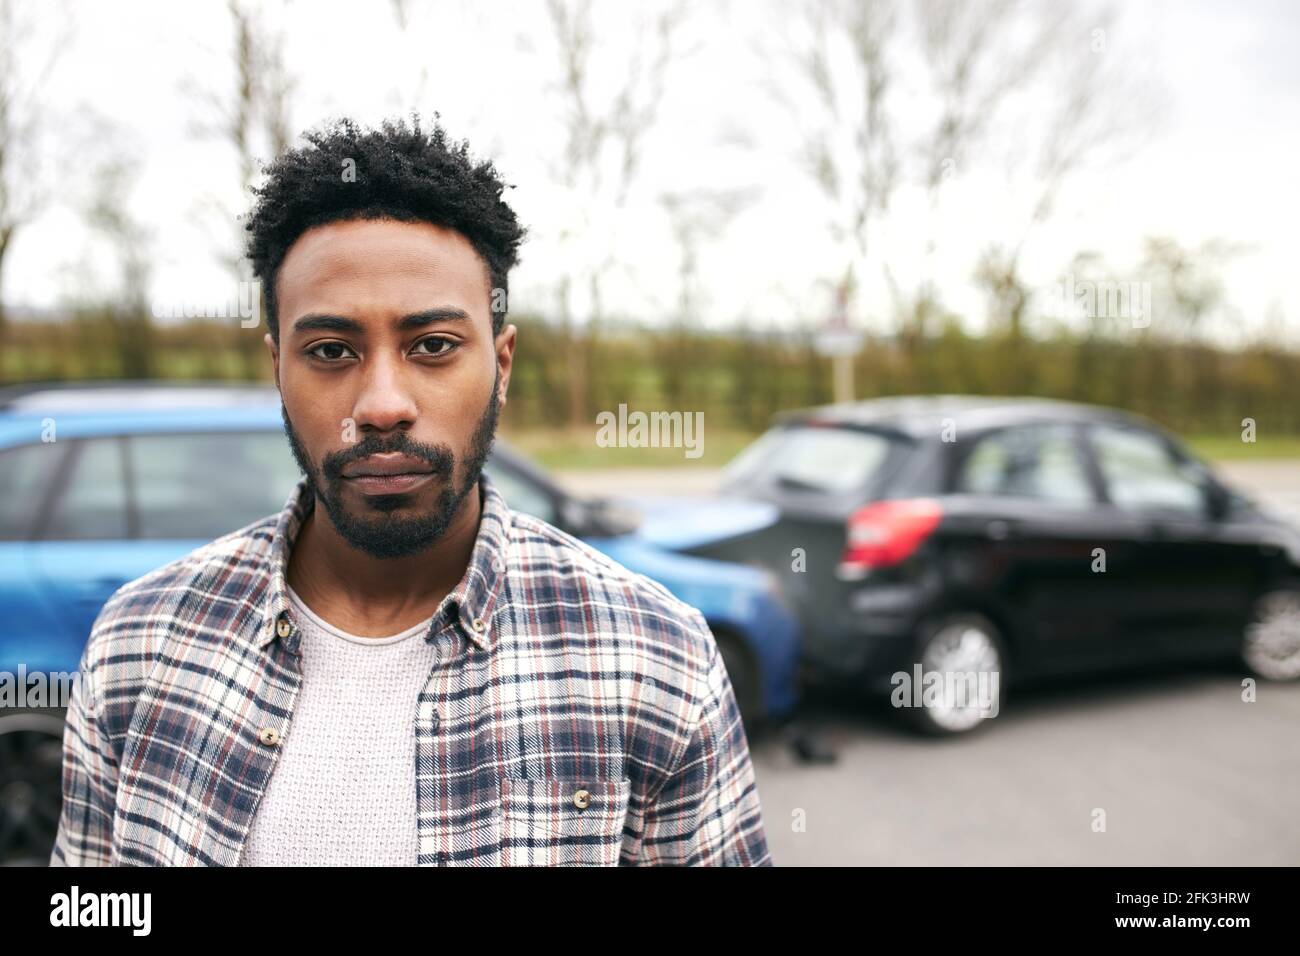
342	792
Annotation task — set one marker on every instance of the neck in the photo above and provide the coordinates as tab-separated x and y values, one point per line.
377	597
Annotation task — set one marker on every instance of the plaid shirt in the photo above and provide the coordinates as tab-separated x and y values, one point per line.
578	713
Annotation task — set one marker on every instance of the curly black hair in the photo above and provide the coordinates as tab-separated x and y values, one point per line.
398	172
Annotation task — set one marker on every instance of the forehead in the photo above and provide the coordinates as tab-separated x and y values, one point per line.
365	265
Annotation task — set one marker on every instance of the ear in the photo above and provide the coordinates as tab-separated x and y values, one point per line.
275	357
505	348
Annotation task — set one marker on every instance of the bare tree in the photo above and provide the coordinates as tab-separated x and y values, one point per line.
1188	280
254	118
845	68
1097	116
27	61
600	158
978	55
697	217
892	95
105	209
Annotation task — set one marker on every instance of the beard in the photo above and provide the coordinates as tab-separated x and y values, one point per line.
383	532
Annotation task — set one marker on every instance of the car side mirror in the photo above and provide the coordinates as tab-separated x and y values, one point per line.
576	518
597	518
1218	502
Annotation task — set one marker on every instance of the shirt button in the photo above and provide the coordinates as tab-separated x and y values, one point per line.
283	627
434	719
582	799
269	736
477	624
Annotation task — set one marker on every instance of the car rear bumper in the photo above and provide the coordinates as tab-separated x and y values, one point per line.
865	636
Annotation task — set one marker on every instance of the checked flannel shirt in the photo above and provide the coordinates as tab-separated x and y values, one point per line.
577	714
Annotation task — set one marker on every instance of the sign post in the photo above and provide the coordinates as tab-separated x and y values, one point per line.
840	342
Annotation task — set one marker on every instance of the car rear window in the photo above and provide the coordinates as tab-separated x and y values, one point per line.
826	459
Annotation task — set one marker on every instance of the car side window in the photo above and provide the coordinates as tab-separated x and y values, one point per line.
203	485
25	475
1028	461
92	505
1141	473
521	494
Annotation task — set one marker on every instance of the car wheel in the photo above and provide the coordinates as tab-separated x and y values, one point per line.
743	676
967	655
31	787
1271	646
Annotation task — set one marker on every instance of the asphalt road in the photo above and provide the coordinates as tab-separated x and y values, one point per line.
1184	771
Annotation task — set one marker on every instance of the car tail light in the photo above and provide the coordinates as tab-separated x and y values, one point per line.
886	532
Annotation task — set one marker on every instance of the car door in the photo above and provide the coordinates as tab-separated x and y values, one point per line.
1021	536
130	504
28	614
189	488
83	550
1188	586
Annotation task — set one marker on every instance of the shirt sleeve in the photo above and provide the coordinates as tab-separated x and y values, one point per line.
85	829
708	813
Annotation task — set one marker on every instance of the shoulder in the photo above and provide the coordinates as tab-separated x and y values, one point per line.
643	653
610	603
212	592
559	560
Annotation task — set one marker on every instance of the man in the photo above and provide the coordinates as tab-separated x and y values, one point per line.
397	668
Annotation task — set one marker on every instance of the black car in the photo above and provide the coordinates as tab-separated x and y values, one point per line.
1022	538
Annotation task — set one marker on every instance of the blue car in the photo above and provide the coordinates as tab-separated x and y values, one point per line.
101	483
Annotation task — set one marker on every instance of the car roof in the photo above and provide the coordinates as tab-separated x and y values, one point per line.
93	408
43	398
922	416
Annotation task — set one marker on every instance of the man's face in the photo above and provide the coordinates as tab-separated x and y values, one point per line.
390	379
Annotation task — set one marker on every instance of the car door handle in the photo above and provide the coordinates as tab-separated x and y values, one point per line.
1165	531
999	530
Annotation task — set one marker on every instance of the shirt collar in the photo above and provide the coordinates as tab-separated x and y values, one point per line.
470	603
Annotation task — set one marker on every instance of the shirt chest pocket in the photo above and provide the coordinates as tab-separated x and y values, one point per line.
562	821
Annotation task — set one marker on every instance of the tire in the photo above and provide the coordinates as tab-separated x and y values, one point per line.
958	643
1270	646
31	787
743	676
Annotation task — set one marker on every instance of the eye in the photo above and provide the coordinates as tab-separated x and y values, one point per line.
315	351
445	346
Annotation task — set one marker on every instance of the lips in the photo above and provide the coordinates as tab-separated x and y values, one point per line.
388	474
386	466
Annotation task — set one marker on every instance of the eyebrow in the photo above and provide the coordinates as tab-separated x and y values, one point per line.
416	320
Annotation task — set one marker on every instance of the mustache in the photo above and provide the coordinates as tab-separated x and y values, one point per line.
439	457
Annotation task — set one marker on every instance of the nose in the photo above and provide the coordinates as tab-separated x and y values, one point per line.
385	402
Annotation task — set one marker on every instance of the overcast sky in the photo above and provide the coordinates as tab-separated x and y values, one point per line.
1216	161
